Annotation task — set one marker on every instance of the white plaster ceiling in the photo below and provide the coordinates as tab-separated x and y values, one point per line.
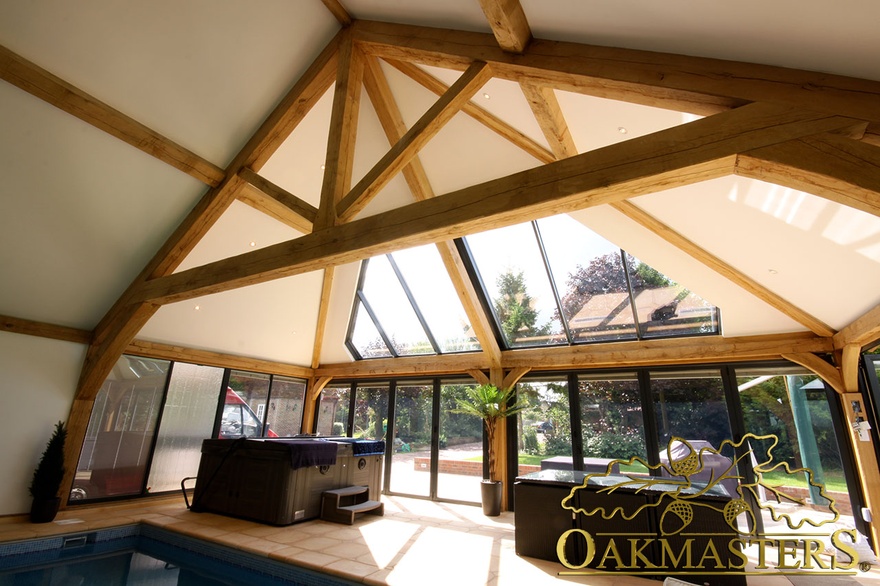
82	213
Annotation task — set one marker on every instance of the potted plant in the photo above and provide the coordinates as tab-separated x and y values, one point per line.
47	478
491	405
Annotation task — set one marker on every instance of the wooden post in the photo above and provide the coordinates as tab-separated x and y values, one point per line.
865	456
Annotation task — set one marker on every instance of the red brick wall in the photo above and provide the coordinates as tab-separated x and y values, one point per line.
464	467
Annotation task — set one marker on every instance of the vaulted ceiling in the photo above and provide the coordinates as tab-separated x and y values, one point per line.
182	174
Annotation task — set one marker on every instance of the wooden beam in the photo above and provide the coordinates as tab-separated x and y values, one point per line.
549	115
687	84
676	156
392	122
865	456
672	352
837	168
44	330
338	11
219	359
394	127
513	376
697	350
824	370
342	133
313	391
482	116
470	302
509	24
302	208
40	83
863	331
414	140
257	199
644	219
479	376
323	312
406	365
848	359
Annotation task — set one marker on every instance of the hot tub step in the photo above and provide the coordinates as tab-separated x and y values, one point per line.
342	504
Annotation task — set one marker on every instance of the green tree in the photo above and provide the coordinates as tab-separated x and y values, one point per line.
515	308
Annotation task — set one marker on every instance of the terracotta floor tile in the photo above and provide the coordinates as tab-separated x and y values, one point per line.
416	542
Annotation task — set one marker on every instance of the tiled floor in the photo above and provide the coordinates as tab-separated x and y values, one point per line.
416	542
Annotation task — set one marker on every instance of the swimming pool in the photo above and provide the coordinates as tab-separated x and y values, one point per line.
143	554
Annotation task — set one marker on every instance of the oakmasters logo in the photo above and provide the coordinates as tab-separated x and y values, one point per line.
693	516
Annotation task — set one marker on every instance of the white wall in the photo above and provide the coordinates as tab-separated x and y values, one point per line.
37	382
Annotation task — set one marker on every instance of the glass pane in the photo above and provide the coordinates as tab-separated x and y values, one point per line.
516	281
792	406
187	419
245	396
411	451
611	420
371	412
116	448
545	427
665	308
690	405
591	281
365	337
333	411
461	448
286	406
393	310
428	280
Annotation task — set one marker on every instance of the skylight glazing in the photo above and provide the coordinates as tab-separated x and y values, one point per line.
406	305
555	281
549	282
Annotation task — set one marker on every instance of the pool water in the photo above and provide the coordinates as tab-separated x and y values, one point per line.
144	556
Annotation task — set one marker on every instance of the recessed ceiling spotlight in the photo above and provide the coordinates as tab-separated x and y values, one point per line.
253	243
198	307
322	167
621	130
487	96
772	271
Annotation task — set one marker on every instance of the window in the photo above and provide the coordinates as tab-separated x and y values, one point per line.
245	394
370	411
545	433
554	281
187	419
792	405
285	409
114	455
332	417
611	419
406	305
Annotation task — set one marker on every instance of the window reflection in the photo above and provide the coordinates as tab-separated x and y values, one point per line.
285	409
244	405
513	272
333	411
116	449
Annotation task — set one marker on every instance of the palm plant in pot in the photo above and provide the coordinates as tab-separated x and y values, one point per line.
47	478
490	404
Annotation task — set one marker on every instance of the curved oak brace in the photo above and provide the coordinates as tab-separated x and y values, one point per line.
826	372
513	377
